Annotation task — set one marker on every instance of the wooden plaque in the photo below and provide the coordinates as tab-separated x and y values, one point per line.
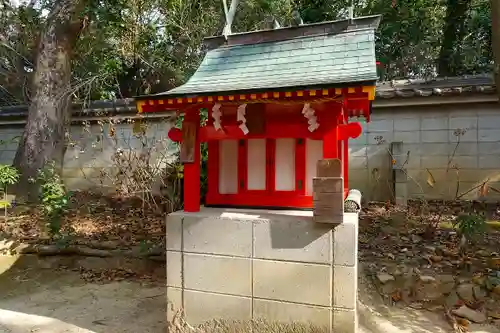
188	142
328	192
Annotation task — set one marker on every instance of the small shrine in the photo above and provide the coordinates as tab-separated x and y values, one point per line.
278	101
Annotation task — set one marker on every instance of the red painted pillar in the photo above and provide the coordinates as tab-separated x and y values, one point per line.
192	170
330	142
345	157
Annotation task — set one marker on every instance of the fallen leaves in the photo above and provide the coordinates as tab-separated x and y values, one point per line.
110	275
94	217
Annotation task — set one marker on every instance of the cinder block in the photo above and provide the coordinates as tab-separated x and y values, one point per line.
7	156
174	231
434	162
463	122
489	121
228	275
213	234
345	241
378	138
201	307
345	321
470	135
465	162
292	282
174	302
434	123
358	162
174	269
356	150
407	124
407	137
345	286
381	125
440	149
489	162
464	148
488	148
291	313
295	239
435	136
488	135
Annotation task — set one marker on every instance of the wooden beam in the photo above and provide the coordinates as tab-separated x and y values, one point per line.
273	131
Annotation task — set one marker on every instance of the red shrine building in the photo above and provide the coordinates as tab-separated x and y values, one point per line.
277	102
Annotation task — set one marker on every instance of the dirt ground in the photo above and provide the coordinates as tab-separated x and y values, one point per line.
34	299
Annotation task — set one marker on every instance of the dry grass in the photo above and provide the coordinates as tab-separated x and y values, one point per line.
178	324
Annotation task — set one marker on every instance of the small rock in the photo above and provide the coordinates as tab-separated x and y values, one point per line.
385	277
466	292
490	282
472	315
427	279
447	283
444	251
430	248
479	280
494	263
416	239
482	253
391	256
436	258
453	300
479	293
446	263
494	314
446	278
403	250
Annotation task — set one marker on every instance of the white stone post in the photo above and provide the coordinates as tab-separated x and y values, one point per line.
345	275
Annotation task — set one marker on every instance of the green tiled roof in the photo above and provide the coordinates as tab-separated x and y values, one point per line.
326	59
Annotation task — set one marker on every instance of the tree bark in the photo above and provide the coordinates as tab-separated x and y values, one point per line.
495	41
44	137
449	61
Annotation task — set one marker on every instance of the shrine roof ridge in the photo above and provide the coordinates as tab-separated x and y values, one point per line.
287	33
323	54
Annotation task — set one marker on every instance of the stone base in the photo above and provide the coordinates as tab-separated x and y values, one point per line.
276	266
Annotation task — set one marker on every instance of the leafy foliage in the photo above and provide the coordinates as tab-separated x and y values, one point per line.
470	225
54	199
8	175
134	47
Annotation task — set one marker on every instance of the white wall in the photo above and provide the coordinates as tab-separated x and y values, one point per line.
89	161
428	134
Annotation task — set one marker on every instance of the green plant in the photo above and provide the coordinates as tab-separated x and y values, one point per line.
53	198
8	176
470	225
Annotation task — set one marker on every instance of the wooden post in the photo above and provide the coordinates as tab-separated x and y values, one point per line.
328	192
190	156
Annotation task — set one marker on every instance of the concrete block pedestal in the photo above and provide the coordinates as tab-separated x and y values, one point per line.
271	265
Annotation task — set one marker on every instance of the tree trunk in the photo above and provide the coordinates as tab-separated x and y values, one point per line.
44	137
495	41
449	61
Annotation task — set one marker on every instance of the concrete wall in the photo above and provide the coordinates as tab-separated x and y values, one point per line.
278	266
91	160
428	135
426	132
